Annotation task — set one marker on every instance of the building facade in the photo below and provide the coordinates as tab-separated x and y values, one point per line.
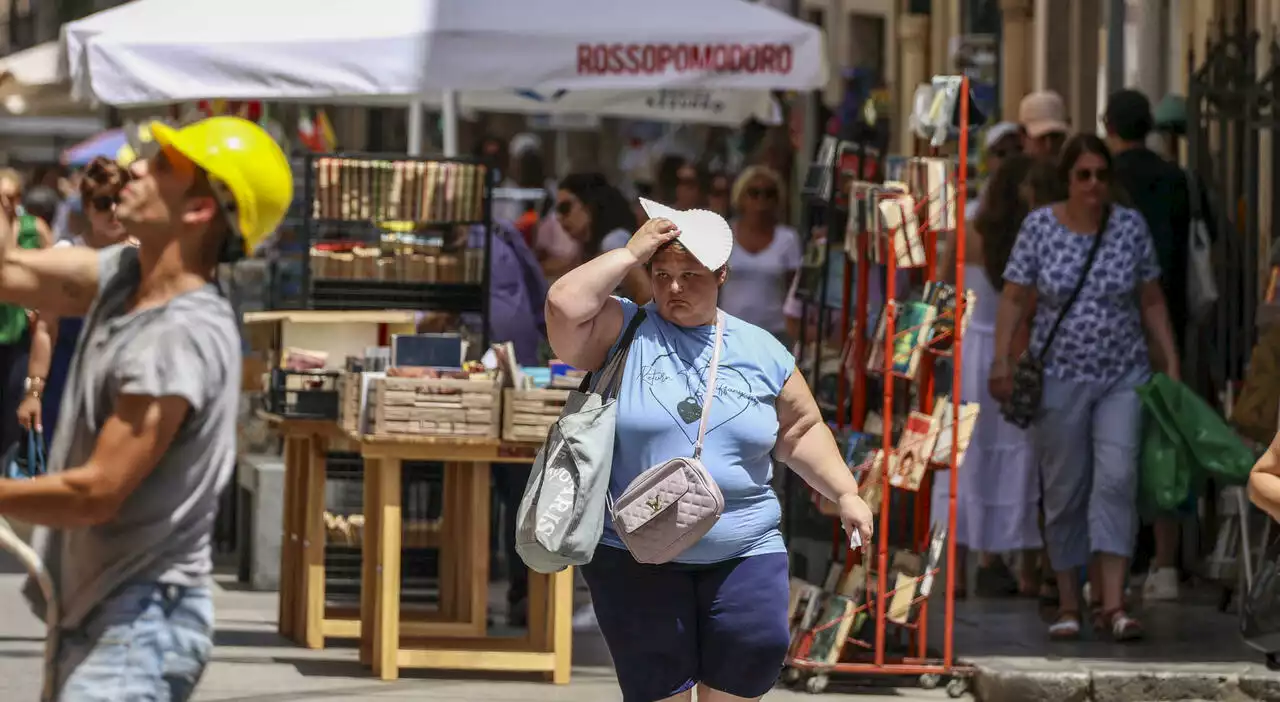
37	124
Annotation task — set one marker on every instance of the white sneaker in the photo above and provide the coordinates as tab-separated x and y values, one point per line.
1161	585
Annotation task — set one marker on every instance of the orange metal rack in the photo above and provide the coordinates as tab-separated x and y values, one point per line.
861	658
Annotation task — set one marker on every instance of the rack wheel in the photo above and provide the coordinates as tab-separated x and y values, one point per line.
791	676
816	685
929	681
956	687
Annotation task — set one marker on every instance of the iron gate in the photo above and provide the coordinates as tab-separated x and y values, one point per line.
1229	109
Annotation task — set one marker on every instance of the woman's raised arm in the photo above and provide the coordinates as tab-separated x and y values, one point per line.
582	319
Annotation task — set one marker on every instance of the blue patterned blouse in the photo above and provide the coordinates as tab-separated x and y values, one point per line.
1101	338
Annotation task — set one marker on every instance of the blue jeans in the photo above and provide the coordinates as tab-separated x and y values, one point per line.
146	643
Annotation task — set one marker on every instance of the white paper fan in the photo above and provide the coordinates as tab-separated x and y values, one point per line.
704	233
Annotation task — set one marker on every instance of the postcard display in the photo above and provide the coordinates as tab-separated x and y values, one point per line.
391	232
870	615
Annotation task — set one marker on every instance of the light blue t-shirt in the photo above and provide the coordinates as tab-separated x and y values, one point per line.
660	406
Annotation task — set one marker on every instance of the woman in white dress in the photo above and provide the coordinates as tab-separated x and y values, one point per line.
999	489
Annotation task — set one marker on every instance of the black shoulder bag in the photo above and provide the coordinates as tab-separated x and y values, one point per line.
1028	373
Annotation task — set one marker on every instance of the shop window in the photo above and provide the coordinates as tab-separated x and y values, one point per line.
982	17
22	24
72	10
867	40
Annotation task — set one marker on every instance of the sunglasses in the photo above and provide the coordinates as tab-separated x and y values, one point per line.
1085	175
563	208
104	203
762	193
1006	151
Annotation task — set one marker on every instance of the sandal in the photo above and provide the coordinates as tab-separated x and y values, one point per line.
1066	627
1121	626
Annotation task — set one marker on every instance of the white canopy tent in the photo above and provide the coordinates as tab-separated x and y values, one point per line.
677	60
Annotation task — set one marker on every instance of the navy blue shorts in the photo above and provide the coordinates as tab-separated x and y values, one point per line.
672	626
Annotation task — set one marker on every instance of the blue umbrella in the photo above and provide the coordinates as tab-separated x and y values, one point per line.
107	144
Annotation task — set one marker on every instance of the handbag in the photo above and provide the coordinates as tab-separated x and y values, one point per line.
25	459
1028	372
1202	287
672	505
561	514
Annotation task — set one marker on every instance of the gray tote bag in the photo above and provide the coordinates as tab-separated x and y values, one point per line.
562	513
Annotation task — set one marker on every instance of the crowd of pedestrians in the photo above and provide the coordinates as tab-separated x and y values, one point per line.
1051	511
1110	217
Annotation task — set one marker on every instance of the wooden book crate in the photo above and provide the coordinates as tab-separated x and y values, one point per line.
527	415
437	407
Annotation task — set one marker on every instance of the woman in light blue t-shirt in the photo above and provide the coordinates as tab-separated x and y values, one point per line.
716	617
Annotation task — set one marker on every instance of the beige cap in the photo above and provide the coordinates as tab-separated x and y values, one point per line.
1043	113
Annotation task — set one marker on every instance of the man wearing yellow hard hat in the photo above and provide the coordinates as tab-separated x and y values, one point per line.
146	439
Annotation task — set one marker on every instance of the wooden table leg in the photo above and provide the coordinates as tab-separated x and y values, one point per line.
561	621
369	563
389	529
297	534
479	506
284	613
313	542
453	524
296	487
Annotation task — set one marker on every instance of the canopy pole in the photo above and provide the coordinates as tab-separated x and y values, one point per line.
562	153
416	113
449	126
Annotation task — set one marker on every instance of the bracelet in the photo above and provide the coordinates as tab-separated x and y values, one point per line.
33	382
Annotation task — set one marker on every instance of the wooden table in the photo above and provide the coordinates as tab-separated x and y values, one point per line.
302	616
457	641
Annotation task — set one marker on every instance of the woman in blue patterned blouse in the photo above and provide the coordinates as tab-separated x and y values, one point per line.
1087	435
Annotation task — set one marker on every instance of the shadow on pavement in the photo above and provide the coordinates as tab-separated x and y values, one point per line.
250	638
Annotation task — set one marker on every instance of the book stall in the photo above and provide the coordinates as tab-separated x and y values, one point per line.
894	413
389	434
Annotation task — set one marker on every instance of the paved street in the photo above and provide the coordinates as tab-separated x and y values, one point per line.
1193	652
252	664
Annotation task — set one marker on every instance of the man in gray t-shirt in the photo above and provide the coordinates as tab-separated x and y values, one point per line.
146	438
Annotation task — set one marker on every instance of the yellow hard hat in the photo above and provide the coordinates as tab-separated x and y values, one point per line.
241	157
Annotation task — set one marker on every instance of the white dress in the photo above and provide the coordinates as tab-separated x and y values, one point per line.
999	484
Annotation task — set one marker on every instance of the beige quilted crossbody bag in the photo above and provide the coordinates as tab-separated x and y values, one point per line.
672	505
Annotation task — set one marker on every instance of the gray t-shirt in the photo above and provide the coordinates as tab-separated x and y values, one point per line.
189	348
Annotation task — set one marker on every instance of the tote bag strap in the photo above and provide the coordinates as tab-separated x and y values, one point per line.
1075	292
711	385
611	371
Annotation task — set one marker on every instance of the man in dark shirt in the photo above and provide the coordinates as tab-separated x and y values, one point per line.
1157	189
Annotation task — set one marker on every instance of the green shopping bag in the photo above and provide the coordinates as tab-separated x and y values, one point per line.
1164	478
1215	450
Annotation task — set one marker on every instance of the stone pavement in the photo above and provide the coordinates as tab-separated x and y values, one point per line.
1192	652
252	664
